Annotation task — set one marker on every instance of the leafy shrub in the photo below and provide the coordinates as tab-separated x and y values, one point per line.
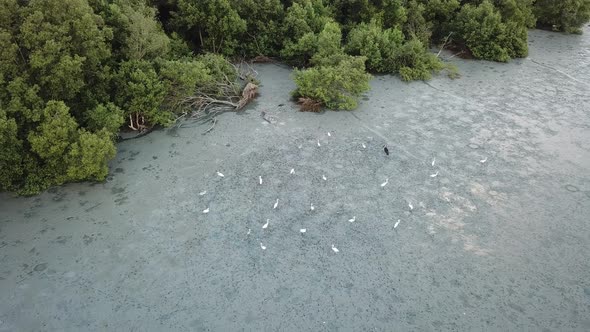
137	34
62	49
61	152
386	52
414	62
56	78
89	155
481	29
305	16
377	45
393	13
336	79
318	48
337	87
495	33
108	117
518	17
179	49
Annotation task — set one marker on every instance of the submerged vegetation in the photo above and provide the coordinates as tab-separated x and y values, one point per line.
73	73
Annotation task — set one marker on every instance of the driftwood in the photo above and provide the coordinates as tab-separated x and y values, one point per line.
309	105
208	105
212	126
250	92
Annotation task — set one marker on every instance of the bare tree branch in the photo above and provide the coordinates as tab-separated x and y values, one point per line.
444	44
227	95
212	126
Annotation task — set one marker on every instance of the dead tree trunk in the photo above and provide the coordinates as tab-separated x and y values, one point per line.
224	96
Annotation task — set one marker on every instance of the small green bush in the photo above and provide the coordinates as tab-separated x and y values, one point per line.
481	29
316	48
386	52
108	117
336	87
377	45
496	33
413	62
62	152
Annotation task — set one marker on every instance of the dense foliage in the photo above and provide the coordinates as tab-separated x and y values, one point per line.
387	51
562	15
74	72
496	33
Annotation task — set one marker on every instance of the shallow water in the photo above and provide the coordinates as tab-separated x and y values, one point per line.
495	245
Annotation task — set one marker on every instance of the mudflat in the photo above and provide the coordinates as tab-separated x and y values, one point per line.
488	176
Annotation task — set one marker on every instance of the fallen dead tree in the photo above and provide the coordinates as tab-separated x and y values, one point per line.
227	95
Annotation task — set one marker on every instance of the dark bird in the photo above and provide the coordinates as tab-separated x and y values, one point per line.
386	150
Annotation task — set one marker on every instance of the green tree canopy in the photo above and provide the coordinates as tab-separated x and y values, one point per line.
215	24
63	45
61	152
377	45
264	22
304	21
141	92
481	29
562	15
